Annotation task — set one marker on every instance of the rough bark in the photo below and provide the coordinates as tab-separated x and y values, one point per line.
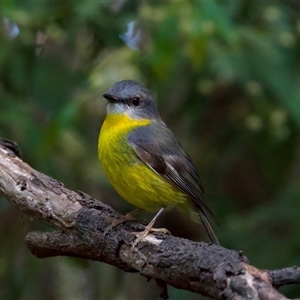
81	223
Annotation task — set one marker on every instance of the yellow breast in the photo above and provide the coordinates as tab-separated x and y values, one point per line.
113	147
132	179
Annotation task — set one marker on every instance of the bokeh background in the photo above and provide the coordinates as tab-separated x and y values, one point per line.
226	78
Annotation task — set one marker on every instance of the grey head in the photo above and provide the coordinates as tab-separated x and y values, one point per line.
131	98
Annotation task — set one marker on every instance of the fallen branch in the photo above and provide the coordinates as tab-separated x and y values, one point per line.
80	222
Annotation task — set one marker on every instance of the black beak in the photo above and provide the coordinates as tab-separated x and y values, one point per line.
110	98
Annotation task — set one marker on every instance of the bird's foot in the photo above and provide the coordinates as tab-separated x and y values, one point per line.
141	235
128	217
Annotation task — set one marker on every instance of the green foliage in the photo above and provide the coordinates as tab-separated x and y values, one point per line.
225	75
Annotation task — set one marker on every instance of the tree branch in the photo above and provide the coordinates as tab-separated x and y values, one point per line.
80	222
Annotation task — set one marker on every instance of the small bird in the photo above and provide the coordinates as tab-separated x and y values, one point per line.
144	161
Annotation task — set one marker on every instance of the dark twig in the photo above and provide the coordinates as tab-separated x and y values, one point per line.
285	276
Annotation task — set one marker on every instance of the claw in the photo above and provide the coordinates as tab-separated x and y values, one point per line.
141	235
128	217
148	229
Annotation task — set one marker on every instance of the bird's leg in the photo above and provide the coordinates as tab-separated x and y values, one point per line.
128	217
141	235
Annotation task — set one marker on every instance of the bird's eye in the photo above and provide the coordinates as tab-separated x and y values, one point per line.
136	101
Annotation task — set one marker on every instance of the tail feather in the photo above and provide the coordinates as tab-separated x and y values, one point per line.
213	238
197	215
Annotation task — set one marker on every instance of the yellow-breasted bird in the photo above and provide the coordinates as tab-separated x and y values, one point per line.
143	160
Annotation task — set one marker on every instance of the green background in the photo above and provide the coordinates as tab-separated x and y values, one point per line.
226	78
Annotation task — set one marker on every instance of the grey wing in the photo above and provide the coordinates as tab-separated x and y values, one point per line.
166	157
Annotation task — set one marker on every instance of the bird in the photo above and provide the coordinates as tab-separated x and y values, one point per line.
144	162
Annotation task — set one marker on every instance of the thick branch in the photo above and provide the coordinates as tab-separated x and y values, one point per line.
80	222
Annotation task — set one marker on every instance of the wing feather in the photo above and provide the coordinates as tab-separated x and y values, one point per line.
169	161
175	169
